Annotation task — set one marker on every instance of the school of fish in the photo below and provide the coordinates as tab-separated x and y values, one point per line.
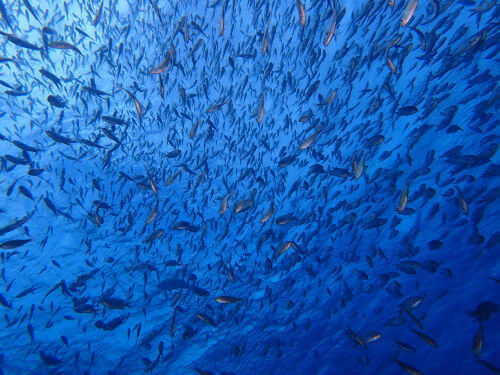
240	187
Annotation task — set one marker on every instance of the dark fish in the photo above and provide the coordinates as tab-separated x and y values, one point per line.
95	91
112	324
97	17
5	16
407	111
31	9
113	120
58	137
25	147
4	302
56	101
21	42
13	244
16	224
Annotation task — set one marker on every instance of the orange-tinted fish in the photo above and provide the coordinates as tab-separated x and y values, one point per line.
138	106
329	98
330	29
409	11
223	205
162	66
309	140
302	12
284	247
390	64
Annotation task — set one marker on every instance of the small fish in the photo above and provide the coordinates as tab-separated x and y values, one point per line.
403	199
478	341
302	12
309	140
409	369
410	9
56	101
31	9
206	319
426	338
13	244
223	205
64	46
227	299
332	23
269	213
138	106
97	17
265	41
160	68
221	23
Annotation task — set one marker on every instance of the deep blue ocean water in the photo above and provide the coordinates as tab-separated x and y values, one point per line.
250	187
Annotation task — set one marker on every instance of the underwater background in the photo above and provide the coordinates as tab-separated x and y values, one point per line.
249	187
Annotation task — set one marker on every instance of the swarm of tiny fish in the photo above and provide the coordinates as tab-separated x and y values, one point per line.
247	187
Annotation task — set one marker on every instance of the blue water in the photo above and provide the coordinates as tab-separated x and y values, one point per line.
177	197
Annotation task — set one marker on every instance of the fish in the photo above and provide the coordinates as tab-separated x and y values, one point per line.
207	319
330	30
260	109
302	12
30	8
426	338
265	39
61	44
409	369
51	76
227	299
410	9
403	200
20	42
161	67
265	177
137	104
221	22
14	244
216	106
309	140
56	101
224	203
268	214
5	15
97	17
